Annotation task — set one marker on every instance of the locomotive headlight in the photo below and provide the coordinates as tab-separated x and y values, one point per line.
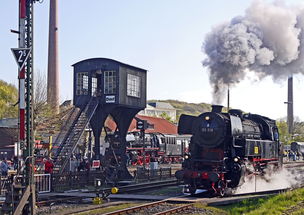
207	118
236	159
186	156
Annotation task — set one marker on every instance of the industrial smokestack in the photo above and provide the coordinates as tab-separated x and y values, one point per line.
53	67
290	106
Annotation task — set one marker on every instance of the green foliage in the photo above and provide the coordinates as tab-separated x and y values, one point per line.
285	137
165	116
271	205
298	132
8	97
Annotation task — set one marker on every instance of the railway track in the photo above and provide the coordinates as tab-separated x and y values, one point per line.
179	205
155	208
122	189
147	186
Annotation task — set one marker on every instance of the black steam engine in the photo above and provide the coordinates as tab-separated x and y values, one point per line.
225	147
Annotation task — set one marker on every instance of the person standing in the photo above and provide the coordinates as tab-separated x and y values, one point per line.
4	168
48	166
16	162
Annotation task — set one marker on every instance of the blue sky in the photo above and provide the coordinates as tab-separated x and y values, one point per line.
164	37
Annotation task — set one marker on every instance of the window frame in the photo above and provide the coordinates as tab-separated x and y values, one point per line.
133	85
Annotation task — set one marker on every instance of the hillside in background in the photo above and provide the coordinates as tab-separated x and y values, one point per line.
187	108
197	109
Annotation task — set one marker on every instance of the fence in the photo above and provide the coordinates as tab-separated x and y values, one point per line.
144	174
76	180
5	183
43	183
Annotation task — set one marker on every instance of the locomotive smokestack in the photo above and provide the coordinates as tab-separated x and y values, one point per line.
290	106
53	71
217	108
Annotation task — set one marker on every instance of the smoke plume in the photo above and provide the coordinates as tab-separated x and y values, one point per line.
285	178
268	40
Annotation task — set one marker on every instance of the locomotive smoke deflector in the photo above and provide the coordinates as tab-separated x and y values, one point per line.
217	108
236	112
185	124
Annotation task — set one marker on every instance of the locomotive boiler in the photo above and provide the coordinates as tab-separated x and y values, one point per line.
225	147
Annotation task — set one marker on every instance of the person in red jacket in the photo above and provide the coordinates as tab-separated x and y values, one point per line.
48	166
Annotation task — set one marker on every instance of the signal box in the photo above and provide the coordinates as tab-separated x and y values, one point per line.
111	81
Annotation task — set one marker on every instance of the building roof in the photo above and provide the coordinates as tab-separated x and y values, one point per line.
160	125
8	136
162	105
9	123
109	60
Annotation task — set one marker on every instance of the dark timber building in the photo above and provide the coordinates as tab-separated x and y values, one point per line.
104	87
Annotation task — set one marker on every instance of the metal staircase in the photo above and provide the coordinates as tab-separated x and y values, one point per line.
65	128
63	150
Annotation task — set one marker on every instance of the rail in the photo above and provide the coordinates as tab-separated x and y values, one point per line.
74	113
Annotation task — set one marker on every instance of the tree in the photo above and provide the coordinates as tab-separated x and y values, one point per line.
165	116
43	113
40	106
298	132
285	137
8	100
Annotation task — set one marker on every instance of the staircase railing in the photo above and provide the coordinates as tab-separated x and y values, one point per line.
72	138
60	144
67	125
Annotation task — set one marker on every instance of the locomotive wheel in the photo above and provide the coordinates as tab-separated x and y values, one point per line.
192	190
222	188
222	192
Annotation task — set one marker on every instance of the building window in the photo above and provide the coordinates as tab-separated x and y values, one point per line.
85	82
82	83
133	86
110	82
94	86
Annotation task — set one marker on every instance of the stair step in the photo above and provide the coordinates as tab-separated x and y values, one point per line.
19	186
6	208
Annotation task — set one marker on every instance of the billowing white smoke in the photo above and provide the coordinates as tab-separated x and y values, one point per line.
285	178
267	40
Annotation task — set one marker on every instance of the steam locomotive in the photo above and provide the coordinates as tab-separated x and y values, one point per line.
225	147
164	148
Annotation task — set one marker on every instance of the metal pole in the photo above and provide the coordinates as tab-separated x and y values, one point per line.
21	38
90	145
144	148
228	99
29	42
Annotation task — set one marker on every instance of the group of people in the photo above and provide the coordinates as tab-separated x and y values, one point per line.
293	156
